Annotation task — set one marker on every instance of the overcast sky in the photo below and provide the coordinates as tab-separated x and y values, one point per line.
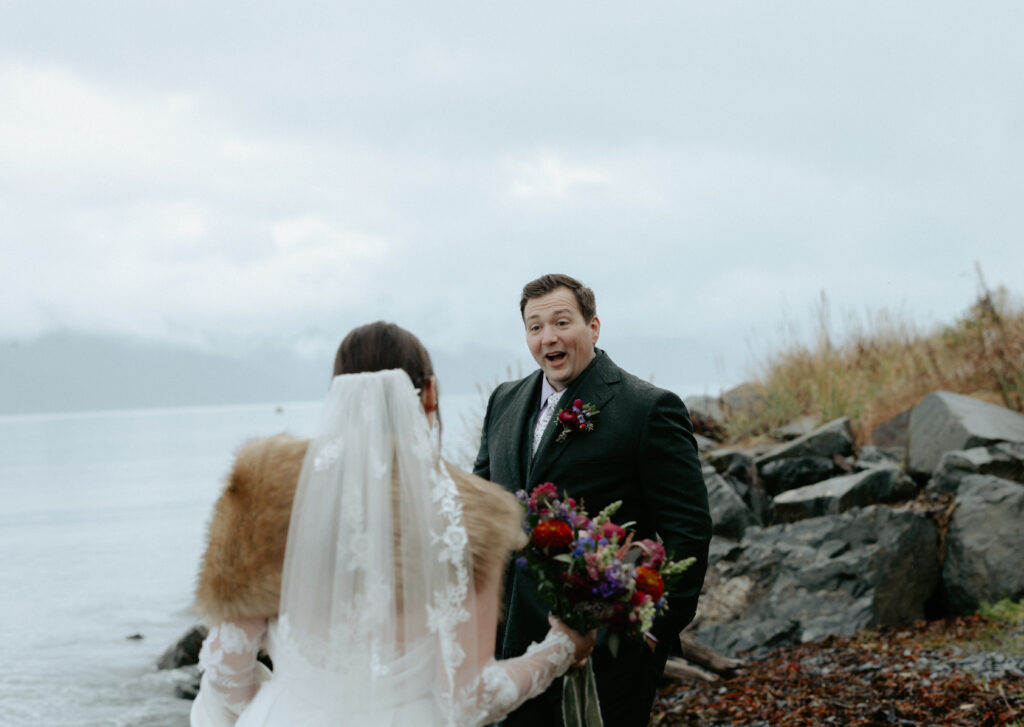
235	174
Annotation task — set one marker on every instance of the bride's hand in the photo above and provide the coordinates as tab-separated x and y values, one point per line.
584	643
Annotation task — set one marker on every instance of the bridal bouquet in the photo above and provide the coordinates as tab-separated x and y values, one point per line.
595	575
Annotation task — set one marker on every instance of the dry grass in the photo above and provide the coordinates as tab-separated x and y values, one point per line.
888	365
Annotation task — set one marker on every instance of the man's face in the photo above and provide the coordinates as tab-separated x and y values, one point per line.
561	342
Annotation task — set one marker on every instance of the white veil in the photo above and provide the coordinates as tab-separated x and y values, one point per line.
376	617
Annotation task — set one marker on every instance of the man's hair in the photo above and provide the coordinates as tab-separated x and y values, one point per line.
546	283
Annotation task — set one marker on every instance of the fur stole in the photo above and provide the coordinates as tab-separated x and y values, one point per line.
240	573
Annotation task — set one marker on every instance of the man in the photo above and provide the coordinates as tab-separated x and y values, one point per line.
641	451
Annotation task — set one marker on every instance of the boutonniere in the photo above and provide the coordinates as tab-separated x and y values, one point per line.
576	418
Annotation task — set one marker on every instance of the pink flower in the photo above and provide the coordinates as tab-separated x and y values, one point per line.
545	491
653	553
610	530
582	521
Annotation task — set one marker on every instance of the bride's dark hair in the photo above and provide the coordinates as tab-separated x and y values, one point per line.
380	346
493	517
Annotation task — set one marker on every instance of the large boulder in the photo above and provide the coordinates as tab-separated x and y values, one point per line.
730	516
985	544
793	472
892	432
185	651
706	416
839	494
831	575
704	444
797	428
943	422
738	461
828	440
1004	460
743	399
871	455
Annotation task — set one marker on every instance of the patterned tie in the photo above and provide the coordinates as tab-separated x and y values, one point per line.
544	418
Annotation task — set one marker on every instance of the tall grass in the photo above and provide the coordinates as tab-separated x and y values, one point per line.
887	365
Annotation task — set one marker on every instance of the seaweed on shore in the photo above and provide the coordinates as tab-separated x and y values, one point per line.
960	672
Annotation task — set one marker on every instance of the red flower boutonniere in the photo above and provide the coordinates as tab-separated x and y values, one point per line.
576	418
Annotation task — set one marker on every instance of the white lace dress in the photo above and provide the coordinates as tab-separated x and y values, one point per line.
238	690
381	618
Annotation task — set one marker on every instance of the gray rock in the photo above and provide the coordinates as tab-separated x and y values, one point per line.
839	494
185	651
755	497
797	428
985	544
943	422
792	472
742	399
829	575
874	456
705	406
704	444
188	686
730	516
736	461
830	439
1004	460
893	432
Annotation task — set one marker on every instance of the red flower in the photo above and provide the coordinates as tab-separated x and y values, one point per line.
554	534
638	598
566	415
578	404
649	581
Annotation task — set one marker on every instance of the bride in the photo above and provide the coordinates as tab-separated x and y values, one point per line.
380	605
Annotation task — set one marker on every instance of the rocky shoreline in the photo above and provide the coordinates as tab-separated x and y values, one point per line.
817	540
814	537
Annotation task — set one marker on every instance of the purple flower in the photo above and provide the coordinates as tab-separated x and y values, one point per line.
521	562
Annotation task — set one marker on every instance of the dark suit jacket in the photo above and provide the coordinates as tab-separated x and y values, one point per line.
641	451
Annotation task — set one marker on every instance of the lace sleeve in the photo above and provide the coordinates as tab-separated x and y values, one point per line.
506	684
231	674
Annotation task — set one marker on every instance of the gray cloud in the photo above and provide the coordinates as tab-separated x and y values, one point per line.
229	174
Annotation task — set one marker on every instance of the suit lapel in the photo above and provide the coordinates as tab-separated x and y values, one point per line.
594	386
516	430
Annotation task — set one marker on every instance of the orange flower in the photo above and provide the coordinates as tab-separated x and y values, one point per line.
649	581
552	534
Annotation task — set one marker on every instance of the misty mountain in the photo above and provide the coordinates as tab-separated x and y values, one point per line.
72	371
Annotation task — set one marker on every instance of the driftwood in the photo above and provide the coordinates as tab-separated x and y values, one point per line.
680	671
704	657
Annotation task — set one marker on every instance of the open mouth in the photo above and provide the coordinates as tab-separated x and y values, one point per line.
556	358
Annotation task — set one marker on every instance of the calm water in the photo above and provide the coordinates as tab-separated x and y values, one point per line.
102	517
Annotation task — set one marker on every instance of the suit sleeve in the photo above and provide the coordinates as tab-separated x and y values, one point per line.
482	465
675	495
